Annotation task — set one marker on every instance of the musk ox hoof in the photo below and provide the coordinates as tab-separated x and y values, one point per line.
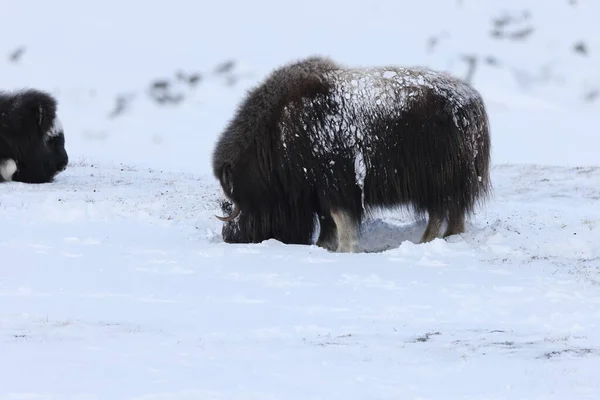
8	168
348	248
328	244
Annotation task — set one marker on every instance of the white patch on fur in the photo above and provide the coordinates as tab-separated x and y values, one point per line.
347	232
360	171
56	129
8	168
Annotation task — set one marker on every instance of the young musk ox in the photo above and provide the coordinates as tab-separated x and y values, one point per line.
32	141
317	139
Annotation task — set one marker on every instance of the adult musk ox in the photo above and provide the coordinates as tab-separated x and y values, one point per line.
319	141
32	141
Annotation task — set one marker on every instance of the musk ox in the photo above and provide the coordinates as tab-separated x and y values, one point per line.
32	141
317	141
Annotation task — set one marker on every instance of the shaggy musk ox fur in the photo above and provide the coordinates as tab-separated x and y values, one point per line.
32	142
317	141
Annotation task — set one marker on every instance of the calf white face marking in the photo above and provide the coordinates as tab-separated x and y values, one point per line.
56	129
8	167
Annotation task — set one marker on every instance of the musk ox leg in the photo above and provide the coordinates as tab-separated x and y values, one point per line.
433	226
8	167
327	236
347	231
456	223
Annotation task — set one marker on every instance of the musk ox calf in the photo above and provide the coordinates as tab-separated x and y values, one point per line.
317	141
32	141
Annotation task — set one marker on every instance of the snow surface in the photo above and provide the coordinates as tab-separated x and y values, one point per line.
115	284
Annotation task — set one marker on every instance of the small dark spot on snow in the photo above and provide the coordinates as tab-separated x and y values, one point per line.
427	336
506	343
575	352
580	48
15	55
592	95
490	60
122	103
224	67
160	84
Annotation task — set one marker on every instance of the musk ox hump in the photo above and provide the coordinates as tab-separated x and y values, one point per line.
256	118
300	78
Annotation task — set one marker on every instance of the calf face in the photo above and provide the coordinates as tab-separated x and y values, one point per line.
43	162
31	137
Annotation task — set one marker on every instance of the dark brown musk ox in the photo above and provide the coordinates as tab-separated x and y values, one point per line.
32	141
318	142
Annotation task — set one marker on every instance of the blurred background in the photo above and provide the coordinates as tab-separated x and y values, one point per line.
152	83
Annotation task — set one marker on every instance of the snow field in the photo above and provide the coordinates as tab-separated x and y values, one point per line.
124	290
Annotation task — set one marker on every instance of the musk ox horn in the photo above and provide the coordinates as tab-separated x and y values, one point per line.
234	213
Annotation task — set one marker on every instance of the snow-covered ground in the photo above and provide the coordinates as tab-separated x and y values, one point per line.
115	283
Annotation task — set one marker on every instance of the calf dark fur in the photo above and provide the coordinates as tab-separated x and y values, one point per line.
32	141
317	141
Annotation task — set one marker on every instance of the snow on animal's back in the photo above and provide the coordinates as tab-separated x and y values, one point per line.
361	96
396	88
390	91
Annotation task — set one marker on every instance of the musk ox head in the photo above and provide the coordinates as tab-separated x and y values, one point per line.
248	159
287	224
32	140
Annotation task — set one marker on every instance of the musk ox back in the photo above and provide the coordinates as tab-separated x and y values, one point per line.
32	142
317	141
